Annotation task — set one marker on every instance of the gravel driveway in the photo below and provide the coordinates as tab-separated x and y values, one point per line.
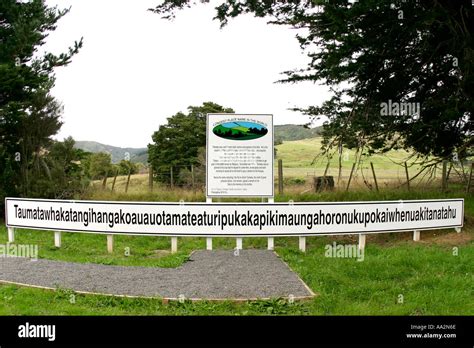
218	274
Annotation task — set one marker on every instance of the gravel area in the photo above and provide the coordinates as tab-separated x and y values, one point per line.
215	274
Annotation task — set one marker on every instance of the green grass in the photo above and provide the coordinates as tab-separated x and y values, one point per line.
301	153
431	279
297	159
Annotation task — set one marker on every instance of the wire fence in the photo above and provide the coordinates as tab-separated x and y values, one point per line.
365	175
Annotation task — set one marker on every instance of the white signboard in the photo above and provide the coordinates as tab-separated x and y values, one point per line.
234	219
239	155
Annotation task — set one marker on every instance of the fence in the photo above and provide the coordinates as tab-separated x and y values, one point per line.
365	175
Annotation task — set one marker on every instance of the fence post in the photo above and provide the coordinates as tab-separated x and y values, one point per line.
302	243
270	240
449	171
362	241
444	181
128	180
416	236
57	239
208	243
104	182
171	177
192	175
150	178
350	177
11	235
339	174
280	176
468	187
110	243
407	176
174	245
115	179
271	243
375	178
239	244
208	239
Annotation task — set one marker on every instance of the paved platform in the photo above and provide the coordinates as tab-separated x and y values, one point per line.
211	275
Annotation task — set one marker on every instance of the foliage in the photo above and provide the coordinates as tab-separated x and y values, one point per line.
197	177
60	173
176	144
374	52
29	115
127	167
99	165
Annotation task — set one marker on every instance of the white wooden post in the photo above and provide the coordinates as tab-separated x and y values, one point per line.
361	241
174	245
458	229
110	243
302	244
208	243
239	243
271	243
416	236
208	239
57	239
11	235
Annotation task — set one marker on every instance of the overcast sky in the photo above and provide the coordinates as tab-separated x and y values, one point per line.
137	69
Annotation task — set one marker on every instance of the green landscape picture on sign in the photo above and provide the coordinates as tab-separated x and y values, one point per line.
240	130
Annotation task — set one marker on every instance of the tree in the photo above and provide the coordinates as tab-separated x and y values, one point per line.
59	172
177	142
29	115
127	167
375	52
100	165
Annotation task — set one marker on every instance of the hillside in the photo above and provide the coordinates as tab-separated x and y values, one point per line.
290	132
287	132
117	153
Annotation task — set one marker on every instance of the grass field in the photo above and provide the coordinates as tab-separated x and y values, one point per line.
430	276
299	169
299	160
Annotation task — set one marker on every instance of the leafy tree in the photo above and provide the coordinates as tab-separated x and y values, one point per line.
373	52
177	142
187	178
126	167
99	165
59	172
29	115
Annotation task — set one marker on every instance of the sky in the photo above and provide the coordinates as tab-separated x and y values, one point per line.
136	69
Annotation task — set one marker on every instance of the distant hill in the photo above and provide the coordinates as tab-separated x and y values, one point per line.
117	153
288	132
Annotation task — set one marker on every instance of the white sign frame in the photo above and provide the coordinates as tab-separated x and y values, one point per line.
255	186
182	230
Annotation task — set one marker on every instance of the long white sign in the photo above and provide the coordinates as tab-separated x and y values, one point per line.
234	219
239	155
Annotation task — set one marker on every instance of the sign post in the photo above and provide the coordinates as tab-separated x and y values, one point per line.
239	159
